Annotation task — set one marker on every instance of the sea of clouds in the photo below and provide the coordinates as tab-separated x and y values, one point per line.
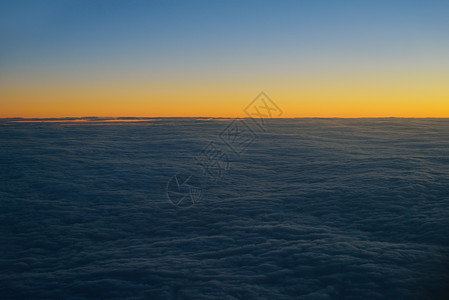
312	209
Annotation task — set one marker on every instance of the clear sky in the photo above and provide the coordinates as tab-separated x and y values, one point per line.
211	58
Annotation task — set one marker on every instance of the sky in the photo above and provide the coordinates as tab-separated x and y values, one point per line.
211	58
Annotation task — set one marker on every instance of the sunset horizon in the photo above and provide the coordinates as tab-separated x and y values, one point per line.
224	149
205	58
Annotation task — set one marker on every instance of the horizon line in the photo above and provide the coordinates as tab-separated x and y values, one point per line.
130	119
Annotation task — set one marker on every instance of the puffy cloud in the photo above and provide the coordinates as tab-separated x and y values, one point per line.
313	209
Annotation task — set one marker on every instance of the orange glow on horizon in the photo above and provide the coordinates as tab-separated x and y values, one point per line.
345	98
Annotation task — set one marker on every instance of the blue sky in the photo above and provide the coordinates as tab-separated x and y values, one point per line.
263	44
86	31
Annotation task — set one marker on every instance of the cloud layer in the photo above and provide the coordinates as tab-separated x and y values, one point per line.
313	209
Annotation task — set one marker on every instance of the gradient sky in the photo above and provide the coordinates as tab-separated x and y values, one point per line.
211	58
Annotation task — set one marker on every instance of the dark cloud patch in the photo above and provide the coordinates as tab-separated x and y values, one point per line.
313	209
